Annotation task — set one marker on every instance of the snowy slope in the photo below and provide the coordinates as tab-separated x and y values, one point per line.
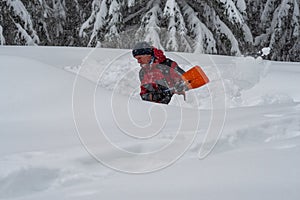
55	126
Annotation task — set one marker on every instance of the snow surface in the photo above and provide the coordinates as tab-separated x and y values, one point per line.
60	130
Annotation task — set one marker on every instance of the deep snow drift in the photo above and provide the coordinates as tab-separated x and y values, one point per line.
65	137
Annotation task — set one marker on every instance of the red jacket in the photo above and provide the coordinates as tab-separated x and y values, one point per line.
160	78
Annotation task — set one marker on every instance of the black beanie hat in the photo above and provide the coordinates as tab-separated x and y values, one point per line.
142	48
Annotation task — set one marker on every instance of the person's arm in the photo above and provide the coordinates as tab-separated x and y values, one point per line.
146	92
178	69
155	93
179	84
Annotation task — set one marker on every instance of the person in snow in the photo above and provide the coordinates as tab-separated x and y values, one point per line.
160	76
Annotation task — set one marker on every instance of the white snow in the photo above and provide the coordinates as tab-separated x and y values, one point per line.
278	23
236	17
60	130
150	24
170	10
232	11
97	20
131	3
241	5
19	9
23	34
2	39
296	19
266	51
268	9
203	36
177	28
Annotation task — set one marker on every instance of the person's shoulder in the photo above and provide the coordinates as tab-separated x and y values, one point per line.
167	61
170	63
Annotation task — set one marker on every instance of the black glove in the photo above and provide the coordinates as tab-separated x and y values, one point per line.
161	94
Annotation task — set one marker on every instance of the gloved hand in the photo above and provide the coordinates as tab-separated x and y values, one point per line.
180	87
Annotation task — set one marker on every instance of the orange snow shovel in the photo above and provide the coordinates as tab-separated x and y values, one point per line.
195	77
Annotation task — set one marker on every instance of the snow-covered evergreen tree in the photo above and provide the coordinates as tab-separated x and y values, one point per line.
225	38
59	14
149	29
177	39
203	38
286	29
105	21
241	6
202	26
2	39
25	33
74	18
114	24
237	20
266	15
281	24
226	42
130	3
96	21
40	12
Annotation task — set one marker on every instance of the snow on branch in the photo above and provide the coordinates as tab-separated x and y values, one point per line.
296	18
59	14
96	20
130	3
149	28
235	17
47	10
226	31
279	20
2	39
176	27
221	28
267	12
27	31
203	37
114	22
241	5
169	12
20	10
24	35
232	12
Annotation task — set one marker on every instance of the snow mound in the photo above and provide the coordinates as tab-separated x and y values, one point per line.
120	75
43	157
16	184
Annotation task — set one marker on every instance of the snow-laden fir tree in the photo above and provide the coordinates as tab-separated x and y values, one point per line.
74	15
225	20
236	18
114	24
241	6
40	13
203	38
104	23
226	41
96	21
177	39
280	25
285	26
59	14
20	17
202	26
149	29
130	3
2	39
